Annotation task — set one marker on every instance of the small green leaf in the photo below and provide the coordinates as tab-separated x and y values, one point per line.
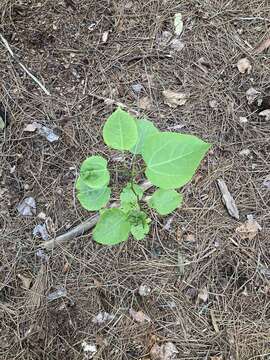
112	227
165	201
92	199
129	197
94	172
178	24
172	158
139	224
120	130
139	231
145	129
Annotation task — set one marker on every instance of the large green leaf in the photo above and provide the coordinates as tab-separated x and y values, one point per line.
129	197
165	201
94	172
145	129
120	130
172	159
92	199
112	227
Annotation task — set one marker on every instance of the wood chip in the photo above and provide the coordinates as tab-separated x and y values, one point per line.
248	230
228	200
174	99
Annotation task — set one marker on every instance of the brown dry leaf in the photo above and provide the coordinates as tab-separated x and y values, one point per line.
249	229
228	199
174	99
145	103
262	46
167	351
266	114
139	316
66	267
244	66
203	294
219	357
26	281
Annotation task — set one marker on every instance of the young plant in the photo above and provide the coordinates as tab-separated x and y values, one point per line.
171	160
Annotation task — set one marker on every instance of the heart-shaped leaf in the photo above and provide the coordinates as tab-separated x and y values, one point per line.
112	227
145	129
172	159
94	172
92	199
165	201
129	197
120	130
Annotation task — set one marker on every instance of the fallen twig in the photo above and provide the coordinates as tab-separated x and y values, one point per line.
81	228
6	45
228	200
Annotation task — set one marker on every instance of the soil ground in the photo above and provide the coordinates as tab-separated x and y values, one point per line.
61	43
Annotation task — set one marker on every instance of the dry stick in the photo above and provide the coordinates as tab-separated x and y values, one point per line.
6	45
81	228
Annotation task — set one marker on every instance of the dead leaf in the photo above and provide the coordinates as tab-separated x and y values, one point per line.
252	95
262	46
214	321
61	292
203	294
31	127
177	44
164	39
243	120
102	317
137	88
178	24
2	123
139	316
145	103
266	114
66	267
144	290
244	152
27	207
213	104
244	66
190	238
219	357
266	182
26	281
167	351
228	200
91	349
249	229
174	99
105	36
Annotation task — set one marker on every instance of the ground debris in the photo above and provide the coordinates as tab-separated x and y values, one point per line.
262	46
26	281
167	351
27	207
144	290
102	317
178	24
249	229
266	182
90	349
228	200
174	99
57	294
41	230
144	103
43	131
139	316
265	113
244	66
252	95
203	294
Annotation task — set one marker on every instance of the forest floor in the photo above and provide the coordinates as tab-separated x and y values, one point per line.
209	284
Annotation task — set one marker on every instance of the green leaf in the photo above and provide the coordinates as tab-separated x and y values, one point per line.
172	159
178	24
94	172
139	224
112	227
139	231
129	197
145	129
120	130
165	201
92	199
